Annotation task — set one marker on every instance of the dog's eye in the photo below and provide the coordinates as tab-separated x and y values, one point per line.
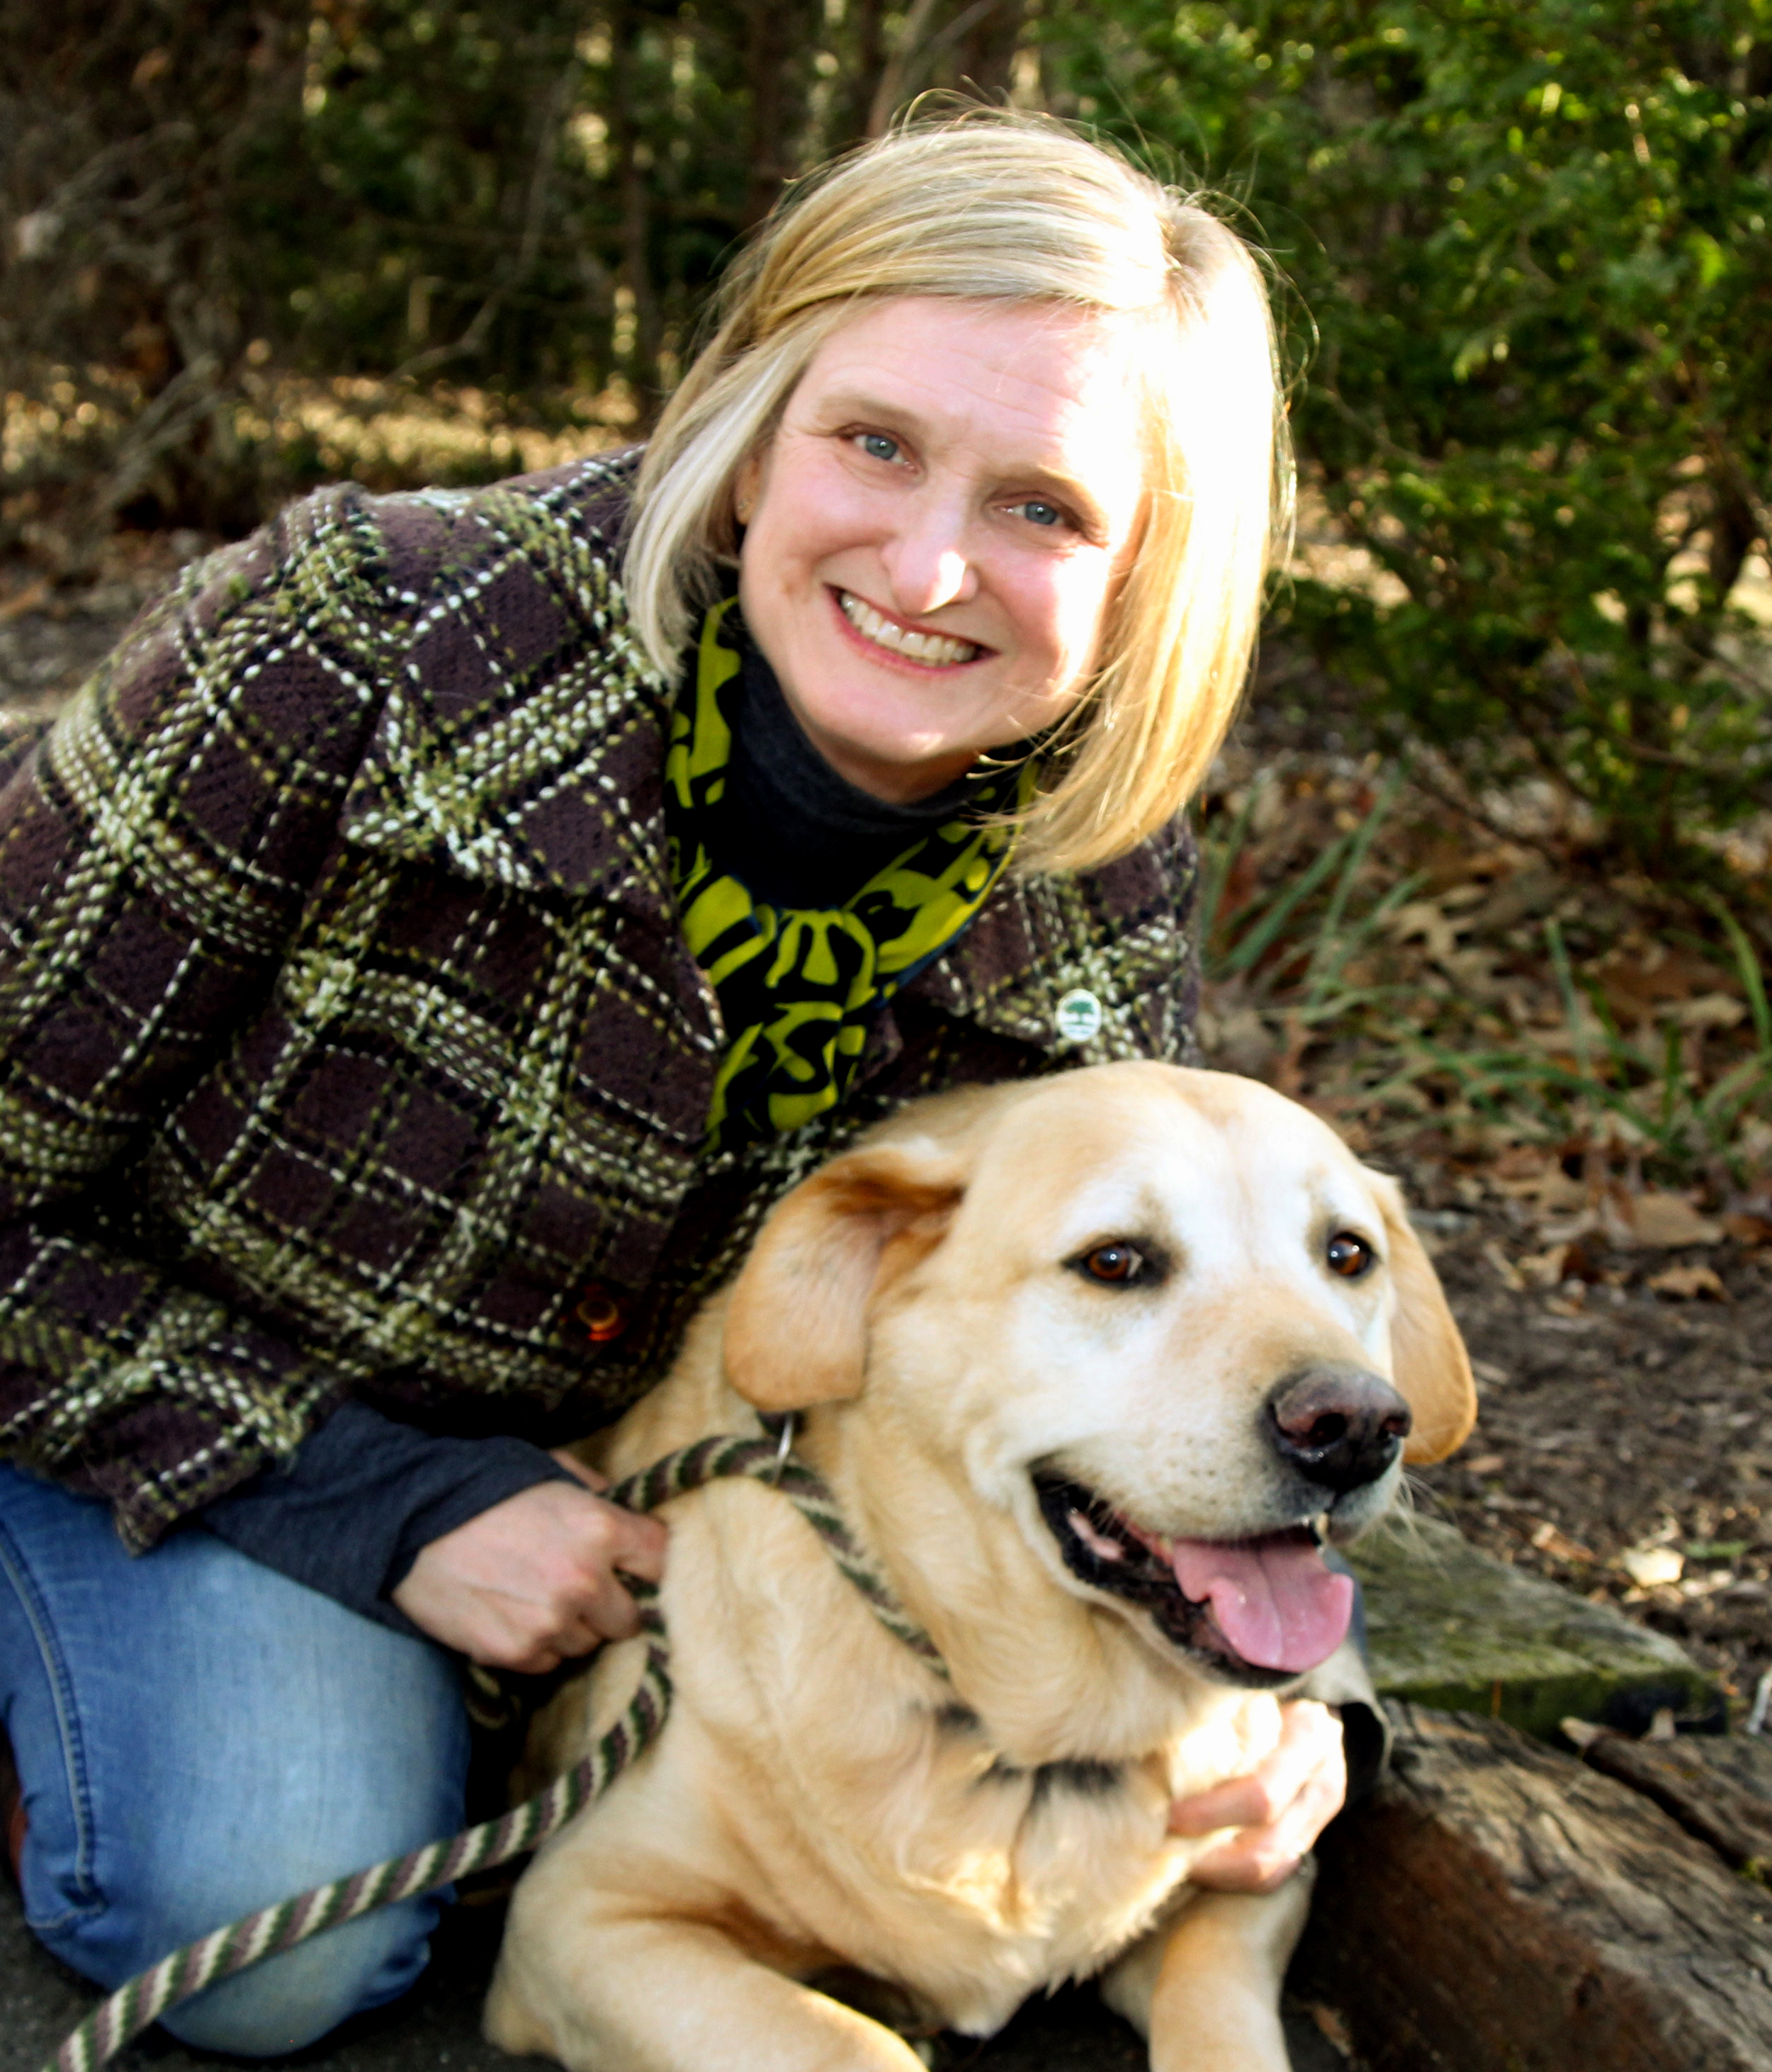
1116	1264
1348	1256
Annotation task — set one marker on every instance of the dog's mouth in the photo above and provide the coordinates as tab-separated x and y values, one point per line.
1261	1610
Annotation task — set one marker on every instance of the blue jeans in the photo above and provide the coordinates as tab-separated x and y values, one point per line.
197	1735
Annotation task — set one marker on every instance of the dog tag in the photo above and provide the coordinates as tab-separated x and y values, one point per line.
1078	1017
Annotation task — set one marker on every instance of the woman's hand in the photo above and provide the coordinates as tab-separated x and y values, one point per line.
532	1582
1280	1809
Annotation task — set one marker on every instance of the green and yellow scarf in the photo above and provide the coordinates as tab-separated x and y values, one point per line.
797	989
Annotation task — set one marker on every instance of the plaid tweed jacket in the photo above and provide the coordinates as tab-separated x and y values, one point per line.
346	1029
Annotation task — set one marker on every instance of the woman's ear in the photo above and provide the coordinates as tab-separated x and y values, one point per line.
796	1321
1431	1369
747	485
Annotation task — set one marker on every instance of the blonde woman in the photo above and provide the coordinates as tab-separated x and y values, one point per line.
449	920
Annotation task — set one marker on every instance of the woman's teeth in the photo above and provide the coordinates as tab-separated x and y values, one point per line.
935	648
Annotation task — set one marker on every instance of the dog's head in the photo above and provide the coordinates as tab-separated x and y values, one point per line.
1162	1321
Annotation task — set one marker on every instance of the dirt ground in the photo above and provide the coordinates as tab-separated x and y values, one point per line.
1625	1447
1618	1422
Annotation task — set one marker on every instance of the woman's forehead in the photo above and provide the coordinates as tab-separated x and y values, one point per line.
1036	386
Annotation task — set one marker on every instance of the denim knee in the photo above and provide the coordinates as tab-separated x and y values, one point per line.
288	2002
197	1738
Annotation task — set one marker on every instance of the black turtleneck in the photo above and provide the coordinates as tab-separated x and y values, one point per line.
791	830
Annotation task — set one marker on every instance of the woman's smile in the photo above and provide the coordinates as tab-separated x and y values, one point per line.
928	650
936	529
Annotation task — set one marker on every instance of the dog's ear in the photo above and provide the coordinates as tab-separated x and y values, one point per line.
1432	1368
796	1322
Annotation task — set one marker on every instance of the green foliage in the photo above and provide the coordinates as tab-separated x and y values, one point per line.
1624	1093
1530	237
1522	245
200	200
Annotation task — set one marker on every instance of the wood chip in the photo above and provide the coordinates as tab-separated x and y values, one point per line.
1549	1539
1650	1568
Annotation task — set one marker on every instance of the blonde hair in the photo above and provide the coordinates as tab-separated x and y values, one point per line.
991	206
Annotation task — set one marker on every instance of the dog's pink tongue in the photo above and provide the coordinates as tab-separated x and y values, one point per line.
1273	1600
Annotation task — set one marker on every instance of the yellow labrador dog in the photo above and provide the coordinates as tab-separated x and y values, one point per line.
1095	1365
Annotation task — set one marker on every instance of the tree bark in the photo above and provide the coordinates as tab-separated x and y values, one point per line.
772	31
869	65
636	269
986	53
1496	1904
1683	1779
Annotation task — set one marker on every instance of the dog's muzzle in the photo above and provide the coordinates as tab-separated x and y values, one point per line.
1339	1428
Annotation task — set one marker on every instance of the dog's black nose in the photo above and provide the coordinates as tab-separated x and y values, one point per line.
1339	1426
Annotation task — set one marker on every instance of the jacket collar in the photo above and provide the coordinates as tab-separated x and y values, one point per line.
521	740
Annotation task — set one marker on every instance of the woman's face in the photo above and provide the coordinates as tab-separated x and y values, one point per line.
935	531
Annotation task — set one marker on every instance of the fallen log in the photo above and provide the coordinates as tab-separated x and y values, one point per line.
1450	1627
1687	1787
1497	1907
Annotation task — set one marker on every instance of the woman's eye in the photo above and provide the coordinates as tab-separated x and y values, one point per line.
878	446
1348	1256
1037	513
1115	1263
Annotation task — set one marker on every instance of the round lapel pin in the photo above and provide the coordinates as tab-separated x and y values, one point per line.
1079	1016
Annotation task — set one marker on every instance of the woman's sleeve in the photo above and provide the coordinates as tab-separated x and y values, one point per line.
157	847
351	1508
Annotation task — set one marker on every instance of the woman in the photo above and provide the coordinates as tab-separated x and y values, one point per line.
448	923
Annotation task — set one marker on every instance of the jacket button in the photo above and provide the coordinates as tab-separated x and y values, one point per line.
603	1315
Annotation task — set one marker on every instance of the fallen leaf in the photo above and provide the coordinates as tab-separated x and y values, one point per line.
1549	1539
1487	1464
1650	1568
1504	1266
1748	1230
1236	1038
1636	986
1686	1284
1669	1220
1711	1010
1526	1173
32	597
1543	1269
1423	920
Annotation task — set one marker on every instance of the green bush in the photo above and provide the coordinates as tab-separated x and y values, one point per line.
1523	245
1528	241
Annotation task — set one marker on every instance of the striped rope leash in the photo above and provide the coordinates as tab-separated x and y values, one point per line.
273	1930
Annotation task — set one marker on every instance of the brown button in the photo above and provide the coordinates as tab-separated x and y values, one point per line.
603	1315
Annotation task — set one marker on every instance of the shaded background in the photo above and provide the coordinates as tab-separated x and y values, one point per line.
1520	245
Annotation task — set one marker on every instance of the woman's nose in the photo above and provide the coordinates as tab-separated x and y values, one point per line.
927	561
